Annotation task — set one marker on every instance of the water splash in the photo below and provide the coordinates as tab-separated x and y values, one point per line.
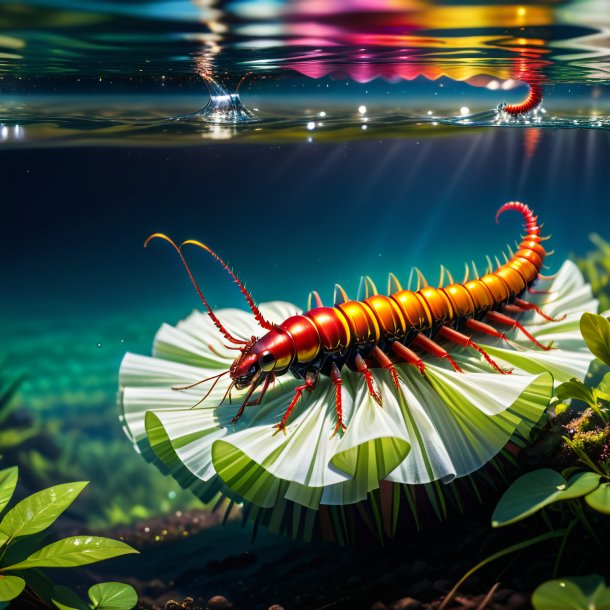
225	106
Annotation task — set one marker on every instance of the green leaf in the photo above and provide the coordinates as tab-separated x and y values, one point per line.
589	593
8	482
65	599
36	512
599	499
113	596
595	330
575	389
537	489
74	551
10	587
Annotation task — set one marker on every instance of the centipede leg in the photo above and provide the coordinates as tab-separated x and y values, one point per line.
465	341
384	362
368	376
335	377
500	318
485	329
244	404
270	377
525	306
408	355
311	378
435	349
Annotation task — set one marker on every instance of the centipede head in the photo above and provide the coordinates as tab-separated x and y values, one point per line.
246	369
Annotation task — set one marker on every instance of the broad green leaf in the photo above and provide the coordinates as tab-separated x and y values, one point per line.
36	512
595	330
599	499
8	482
535	490
113	596
604	384
10	587
575	389
65	599
589	593
74	551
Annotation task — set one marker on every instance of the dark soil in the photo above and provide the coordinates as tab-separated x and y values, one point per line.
193	562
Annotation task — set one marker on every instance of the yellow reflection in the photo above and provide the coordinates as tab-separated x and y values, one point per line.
454	17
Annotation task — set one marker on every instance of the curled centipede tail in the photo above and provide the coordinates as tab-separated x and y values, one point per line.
531	221
531	102
529	257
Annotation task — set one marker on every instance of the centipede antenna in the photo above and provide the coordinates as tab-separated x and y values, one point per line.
255	310
340	296
393	284
192	385
422	282
490	267
466	274
450	277
441	278
370	284
208	392
314	297
212	315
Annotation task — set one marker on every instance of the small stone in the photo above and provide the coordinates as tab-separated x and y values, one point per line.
518	601
418	568
465	603
219	602
421	588
379	606
501	595
441	586
406	603
353	580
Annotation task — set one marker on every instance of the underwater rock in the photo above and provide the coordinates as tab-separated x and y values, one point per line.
219	602
406	603
421	588
187	604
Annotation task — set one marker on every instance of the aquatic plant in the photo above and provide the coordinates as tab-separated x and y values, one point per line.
138	493
23	552
576	593
561	499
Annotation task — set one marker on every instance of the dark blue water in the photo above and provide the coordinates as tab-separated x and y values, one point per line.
79	289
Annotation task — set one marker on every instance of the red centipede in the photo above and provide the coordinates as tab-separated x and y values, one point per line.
382	331
531	102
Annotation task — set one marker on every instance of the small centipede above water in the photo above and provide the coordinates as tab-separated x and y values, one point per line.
381	331
530	103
